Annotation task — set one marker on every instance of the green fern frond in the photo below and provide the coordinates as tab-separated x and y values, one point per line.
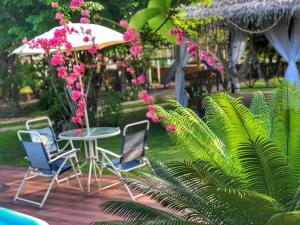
130	211
266	169
259	107
284	122
199	172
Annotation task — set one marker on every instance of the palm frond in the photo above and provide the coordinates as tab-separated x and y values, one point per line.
132	211
266	169
195	136
289	218
259	107
199	172
284	125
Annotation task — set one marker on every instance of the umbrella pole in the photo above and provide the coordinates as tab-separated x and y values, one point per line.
86	116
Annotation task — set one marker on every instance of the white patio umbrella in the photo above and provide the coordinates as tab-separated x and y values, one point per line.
104	37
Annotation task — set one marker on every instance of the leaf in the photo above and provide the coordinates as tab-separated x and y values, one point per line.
289	218
143	16
163	25
134	211
266	169
163	4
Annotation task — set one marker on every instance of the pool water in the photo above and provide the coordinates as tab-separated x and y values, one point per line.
10	217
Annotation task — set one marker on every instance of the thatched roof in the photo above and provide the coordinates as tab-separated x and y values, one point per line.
250	14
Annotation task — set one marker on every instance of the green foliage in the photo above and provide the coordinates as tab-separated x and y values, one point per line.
241	175
157	16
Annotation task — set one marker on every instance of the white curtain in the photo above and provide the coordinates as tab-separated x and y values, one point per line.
237	48
182	59
288	47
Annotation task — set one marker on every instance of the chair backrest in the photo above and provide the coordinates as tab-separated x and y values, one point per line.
134	143
36	153
47	134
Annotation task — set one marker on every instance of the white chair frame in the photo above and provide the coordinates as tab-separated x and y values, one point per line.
106	154
32	173
59	150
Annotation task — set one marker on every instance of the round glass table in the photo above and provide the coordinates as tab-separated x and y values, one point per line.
90	138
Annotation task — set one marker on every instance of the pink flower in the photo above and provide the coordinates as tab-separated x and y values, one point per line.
62	22
79	112
61	71
86	39
192	48
92	49
78	85
85	12
220	68
77	131
147	99
79	69
88	31
171	128
179	34
136	50
134	81
59	16
141	79
151	108
81	104
76	120
68	47
54	4
25	40
130	70
85	20
75	95
152	114
211	61
131	35
75	3
99	56
57	59
155	119
123	23
71	78
203	56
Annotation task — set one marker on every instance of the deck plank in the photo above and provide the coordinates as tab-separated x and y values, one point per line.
63	206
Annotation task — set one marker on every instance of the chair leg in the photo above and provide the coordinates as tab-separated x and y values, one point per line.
48	190
22	183
77	178
125	185
100	178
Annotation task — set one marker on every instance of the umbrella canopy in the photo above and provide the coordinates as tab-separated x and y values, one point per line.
104	37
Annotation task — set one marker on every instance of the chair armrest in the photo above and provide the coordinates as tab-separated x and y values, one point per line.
64	146
108	152
63	154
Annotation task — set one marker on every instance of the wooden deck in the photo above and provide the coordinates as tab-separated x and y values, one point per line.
64	206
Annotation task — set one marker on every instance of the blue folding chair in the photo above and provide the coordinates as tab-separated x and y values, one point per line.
49	138
132	155
42	165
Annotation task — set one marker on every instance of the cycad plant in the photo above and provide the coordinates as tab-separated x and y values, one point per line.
246	169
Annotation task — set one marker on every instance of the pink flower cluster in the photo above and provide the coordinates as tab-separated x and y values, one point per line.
211	60
139	80
74	4
179	34
147	99
171	128
151	114
132	36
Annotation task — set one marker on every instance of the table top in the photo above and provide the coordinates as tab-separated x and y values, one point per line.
94	134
